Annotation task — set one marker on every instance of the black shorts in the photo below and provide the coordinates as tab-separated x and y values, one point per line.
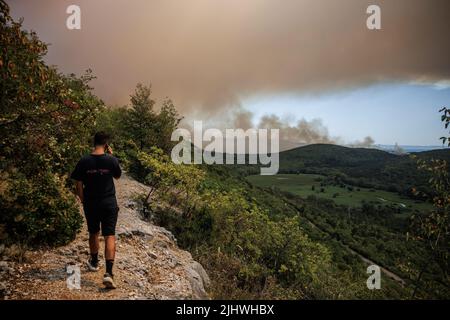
98	215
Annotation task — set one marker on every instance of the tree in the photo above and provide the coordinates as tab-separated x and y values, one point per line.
140	119
147	127
434	229
445	118
170	182
45	124
167	121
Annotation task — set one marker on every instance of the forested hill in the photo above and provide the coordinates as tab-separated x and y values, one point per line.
333	156
443	154
330	155
362	166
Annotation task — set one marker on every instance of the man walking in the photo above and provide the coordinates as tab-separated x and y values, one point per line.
95	187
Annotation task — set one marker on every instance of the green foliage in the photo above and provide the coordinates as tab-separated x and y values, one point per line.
145	126
39	210
373	228
252	245
139	127
305	185
362	167
176	184
445	118
433	229
46	121
141	117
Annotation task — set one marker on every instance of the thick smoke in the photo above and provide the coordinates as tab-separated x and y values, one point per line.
367	142
398	150
206	55
303	132
294	135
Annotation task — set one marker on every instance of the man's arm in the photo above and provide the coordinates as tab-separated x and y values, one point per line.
79	188
117	170
77	175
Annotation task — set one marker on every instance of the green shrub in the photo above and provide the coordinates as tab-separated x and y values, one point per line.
47	120
40	210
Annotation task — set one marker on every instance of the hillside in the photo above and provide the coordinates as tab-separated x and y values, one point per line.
361	166
149	264
443	154
329	155
335	156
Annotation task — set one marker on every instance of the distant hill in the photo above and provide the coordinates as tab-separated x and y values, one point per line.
408	148
443	154
361	166
333	156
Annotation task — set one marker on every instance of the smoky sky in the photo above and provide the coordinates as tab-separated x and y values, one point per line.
208	54
295	134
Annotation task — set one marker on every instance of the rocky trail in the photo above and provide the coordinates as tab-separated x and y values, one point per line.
149	264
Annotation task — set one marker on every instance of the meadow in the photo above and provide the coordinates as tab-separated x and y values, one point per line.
305	185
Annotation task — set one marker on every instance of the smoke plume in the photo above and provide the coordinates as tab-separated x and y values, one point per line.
206	55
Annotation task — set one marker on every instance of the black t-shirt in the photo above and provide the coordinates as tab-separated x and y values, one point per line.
97	172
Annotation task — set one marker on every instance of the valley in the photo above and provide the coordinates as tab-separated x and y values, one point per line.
360	203
305	185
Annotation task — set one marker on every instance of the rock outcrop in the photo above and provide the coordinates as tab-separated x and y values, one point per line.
149	264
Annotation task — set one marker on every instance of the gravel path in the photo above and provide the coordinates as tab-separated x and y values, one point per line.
149	265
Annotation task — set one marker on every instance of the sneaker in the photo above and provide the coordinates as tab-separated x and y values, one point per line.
92	266
108	281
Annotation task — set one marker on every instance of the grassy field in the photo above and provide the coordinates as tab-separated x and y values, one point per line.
309	184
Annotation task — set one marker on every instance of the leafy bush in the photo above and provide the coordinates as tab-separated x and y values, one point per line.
46	122
249	252
38	210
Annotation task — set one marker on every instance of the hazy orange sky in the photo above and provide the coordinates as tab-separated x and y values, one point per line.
211	55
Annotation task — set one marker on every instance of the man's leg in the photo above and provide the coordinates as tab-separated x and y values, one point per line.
94	243
110	253
93	223
108	231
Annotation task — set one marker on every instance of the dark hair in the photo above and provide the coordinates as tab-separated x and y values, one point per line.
100	138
